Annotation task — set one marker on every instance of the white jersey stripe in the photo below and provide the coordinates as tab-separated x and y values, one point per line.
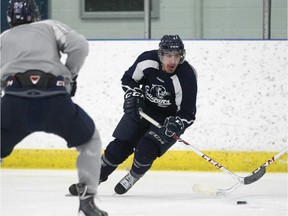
178	91
141	66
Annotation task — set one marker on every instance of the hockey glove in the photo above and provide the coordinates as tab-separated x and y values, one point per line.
73	86
171	127
133	101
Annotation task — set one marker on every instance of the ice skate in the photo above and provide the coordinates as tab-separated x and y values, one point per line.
73	189
126	183
87	206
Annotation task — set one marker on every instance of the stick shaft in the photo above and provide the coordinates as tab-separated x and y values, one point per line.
195	150
271	160
260	171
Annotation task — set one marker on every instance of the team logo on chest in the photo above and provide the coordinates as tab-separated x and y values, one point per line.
156	94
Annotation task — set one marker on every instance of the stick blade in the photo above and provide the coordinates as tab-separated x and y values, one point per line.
207	190
255	176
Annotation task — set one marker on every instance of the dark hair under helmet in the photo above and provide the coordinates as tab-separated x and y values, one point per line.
171	43
21	12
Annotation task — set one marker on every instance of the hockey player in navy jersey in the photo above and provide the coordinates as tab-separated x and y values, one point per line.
164	86
38	90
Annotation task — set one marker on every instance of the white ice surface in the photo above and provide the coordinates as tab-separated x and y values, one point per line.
42	193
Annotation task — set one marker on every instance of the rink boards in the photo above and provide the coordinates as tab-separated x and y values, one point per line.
241	119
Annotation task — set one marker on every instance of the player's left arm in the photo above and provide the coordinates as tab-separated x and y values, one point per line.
187	111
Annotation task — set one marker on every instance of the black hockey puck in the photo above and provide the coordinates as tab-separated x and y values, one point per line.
241	202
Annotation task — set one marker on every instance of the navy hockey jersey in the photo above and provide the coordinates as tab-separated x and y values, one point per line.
169	94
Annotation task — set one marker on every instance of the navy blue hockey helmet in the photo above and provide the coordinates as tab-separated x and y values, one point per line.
172	43
21	12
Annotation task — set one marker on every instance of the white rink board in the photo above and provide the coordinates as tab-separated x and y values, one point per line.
242	93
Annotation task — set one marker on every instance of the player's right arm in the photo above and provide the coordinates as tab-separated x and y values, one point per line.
71	43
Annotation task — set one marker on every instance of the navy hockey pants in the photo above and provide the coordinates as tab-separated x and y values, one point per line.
134	136
57	114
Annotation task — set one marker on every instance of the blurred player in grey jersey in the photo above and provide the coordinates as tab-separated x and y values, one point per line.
38	89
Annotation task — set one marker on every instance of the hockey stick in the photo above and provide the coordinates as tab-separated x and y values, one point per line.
255	176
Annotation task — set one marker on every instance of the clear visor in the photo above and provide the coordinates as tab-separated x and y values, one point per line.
175	54
171	53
